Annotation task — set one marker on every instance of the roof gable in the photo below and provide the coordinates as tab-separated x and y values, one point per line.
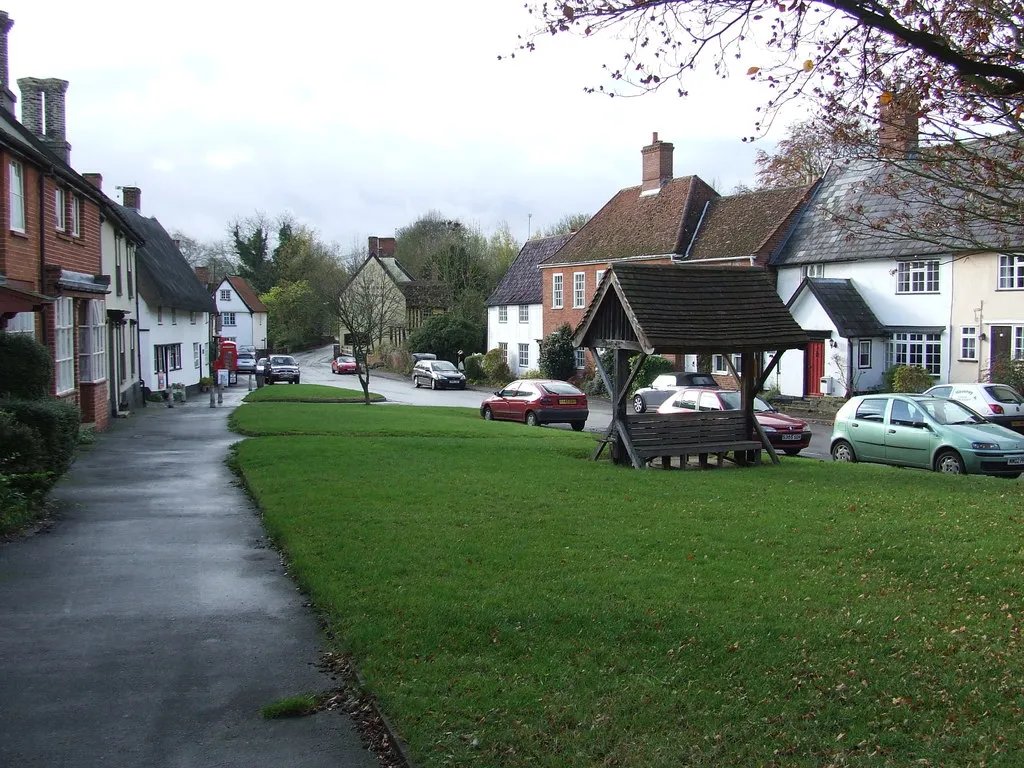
844	306
246	293
522	282
634	223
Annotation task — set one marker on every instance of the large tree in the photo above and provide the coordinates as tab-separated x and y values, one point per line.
950	72
367	308
251	240
571	222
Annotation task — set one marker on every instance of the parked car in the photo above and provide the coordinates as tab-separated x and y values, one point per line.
344	364
537	402
926	432
438	374
785	433
246	362
998	403
282	368
417	356
663	387
247	348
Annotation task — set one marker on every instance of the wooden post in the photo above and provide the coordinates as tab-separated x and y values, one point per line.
620	373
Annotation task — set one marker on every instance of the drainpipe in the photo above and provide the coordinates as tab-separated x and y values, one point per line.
138	329
849	368
42	271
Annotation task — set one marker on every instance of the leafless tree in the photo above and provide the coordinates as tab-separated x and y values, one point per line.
367	308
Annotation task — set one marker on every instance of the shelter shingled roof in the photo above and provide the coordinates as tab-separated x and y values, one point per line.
670	309
742	225
522	283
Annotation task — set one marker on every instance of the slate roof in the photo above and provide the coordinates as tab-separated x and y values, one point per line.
743	225
673	309
395	268
844	305
246	292
522	283
836	226
165	278
634	224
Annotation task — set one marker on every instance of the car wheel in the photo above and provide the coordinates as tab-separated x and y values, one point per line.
416	381
950	463
792	451
488	415
639	406
843	451
577	426
296	381
531	419
433	383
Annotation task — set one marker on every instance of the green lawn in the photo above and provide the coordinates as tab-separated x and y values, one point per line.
512	604
307	393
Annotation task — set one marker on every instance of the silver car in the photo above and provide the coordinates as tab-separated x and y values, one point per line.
666	385
998	403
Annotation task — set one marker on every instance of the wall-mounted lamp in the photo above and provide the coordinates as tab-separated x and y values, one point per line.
983	336
832	343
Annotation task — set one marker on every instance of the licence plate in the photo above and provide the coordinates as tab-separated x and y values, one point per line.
567	401
1017	423
791	437
1015	460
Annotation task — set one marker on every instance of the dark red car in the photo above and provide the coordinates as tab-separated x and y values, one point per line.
344	364
538	401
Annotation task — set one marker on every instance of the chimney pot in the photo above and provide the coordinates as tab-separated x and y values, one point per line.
96	179
131	197
657	164
7	97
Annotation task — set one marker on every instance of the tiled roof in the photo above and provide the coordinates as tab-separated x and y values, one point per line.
742	225
837	223
394	266
248	295
165	278
522	283
424	294
635	224
672	309
844	305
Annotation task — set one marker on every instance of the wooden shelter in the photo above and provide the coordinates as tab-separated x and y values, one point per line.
642	310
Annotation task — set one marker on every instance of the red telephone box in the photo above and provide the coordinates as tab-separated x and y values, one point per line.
227	361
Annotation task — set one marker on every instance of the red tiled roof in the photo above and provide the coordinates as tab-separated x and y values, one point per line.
632	224
243	289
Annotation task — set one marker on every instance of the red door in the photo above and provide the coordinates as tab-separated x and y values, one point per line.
814	362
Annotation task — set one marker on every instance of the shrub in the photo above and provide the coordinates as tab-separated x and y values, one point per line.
445	335
27	370
653	366
475	368
1009	372
557	354
496	370
54	424
888	378
911	378
535	373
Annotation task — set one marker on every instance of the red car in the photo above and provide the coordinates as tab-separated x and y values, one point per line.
785	433
538	401
344	364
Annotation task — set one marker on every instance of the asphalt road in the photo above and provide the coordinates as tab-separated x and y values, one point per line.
316	369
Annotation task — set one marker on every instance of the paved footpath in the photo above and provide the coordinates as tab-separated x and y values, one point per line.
152	622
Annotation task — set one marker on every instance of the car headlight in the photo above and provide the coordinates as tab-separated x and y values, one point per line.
769	430
985	446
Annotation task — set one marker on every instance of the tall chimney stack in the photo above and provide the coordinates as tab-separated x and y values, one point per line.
657	167
132	197
43	112
898	126
7	97
96	179
32	105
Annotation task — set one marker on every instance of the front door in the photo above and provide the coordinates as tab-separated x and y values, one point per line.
1000	345
814	368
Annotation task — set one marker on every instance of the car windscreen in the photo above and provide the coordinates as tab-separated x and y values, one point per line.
950	412
282	360
444	365
561	388
346	359
1004	395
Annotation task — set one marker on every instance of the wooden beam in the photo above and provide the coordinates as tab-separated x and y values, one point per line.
769	368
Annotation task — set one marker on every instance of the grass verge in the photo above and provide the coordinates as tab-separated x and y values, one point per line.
296	706
512	604
308	393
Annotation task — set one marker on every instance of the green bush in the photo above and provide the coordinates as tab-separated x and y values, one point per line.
557	354
535	373
445	335
653	366
475	367
888	378
54	424
496	370
27	370
1009	372
911	378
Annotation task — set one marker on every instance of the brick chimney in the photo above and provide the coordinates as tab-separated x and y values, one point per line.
96	179
203	273
43	112
381	246
657	164
7	97
131	197
898	126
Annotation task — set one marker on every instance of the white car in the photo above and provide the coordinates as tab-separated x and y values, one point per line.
998	403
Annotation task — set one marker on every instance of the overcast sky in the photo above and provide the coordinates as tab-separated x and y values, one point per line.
359	116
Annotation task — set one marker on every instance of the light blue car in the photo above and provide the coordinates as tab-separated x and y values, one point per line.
926	432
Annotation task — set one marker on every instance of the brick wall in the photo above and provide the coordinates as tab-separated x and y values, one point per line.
93	400
19	254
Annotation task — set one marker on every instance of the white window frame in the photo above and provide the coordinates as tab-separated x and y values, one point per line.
502	313
718	364
864	353
524	356
813	270
197	355
1011	272
581	359
968	342
917	276
1017	344
503	346
192	317
60	209
16	196
225	294
23	322
598	277
227	319
174	315
557	296
92	343
76	216
579	290
524	313
174	363
64	344
921	349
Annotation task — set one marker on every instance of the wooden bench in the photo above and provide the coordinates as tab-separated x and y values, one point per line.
693	433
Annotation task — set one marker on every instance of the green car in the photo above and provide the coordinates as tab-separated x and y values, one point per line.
926	432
